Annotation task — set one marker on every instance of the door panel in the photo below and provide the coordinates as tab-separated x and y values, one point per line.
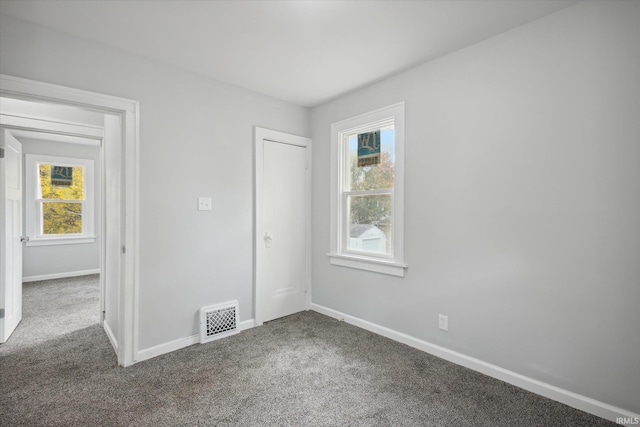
10	233
283	265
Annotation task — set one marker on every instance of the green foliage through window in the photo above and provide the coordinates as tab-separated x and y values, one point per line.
372	209
62	206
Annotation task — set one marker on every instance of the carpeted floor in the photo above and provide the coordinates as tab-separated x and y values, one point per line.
53	308
302	370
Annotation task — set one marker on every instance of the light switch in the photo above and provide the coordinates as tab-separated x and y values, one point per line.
204	203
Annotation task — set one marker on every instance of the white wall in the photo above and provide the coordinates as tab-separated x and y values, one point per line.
196	139
48	260
522	203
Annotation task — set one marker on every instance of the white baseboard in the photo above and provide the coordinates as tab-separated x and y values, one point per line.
110	335
60	275
247	324
168	347
578	401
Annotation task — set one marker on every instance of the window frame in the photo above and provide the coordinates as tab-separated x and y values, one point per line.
393	263
34	204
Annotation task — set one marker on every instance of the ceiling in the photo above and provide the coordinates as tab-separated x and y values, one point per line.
303	52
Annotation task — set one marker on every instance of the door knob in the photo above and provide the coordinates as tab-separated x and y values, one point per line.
267	239
24	238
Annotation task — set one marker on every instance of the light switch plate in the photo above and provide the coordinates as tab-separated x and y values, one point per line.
204	203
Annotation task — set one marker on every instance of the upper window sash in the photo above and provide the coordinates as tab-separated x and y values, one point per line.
345	158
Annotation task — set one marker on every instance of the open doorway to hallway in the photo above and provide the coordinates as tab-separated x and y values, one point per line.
57	268
119	273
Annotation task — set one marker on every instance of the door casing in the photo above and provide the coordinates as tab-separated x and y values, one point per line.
10	245
125	339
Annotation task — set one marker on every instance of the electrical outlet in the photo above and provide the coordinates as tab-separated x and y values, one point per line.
443	322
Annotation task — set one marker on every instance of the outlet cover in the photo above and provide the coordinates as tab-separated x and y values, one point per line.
443	322
204	203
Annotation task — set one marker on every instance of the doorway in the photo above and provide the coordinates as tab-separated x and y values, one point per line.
59	218
119	208
282	224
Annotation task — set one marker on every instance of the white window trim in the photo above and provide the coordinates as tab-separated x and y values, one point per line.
31	206
394	264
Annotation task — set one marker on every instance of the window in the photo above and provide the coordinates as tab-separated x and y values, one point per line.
367	191
59	200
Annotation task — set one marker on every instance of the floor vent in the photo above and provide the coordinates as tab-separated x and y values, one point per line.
219	321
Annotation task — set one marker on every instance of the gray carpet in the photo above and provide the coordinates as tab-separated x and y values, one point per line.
302	370
53	308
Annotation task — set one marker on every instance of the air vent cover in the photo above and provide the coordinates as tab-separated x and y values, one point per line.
218	321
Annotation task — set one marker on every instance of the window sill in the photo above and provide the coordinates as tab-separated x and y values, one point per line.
51	241
363	263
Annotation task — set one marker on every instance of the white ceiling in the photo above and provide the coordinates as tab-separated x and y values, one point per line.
304	52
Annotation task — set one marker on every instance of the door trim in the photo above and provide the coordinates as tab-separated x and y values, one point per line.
262	134
11	198
128	110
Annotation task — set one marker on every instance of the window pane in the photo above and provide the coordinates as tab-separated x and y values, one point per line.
61	218
61	182
375	177
369	224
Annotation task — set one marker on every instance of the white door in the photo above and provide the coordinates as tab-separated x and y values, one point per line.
10	233
282	224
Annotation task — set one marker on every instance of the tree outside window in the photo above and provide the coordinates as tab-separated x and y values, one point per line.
61	204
